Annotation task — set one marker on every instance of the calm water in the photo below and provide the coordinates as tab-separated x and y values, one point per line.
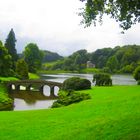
34	100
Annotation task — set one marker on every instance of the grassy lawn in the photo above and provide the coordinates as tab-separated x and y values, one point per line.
33	76
8	78
113	113
90	70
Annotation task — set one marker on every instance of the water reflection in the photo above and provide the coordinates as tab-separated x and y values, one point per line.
26	100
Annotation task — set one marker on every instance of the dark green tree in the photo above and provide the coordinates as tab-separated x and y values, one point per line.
22	69
137	74
5	62
10	44
126	12
112	63
102	79
33	57
78	62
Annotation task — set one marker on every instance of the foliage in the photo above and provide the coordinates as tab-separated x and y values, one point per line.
127	69
69	97
10	44
5	101
117	59
102	79
75	62
111	60
111	113
76	83
106	70
5	62
112	63
33	57
100	57
22	69
51	56
137	74
126	12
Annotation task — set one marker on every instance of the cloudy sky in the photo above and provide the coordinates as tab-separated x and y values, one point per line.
54	25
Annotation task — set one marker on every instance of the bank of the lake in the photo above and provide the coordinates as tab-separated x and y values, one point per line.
6	103
112	113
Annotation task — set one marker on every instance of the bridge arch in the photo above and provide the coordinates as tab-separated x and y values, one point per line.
53	87
46	90
56	90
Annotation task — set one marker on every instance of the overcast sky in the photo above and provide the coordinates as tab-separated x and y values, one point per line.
54	25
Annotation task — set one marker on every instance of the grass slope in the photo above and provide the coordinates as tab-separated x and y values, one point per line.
113	113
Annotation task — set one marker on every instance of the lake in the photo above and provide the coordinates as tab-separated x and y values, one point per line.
34	100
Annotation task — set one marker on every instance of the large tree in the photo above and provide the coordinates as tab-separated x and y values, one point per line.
5	62
33	57
10	44
22	69
126	12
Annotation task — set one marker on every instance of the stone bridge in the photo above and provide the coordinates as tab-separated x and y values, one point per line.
31	84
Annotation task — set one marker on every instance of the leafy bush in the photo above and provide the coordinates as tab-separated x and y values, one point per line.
102	79
136	74
69	97
76	83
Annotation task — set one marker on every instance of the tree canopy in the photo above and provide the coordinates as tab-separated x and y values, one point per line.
126	12
5	61
33	57
22	69
10	44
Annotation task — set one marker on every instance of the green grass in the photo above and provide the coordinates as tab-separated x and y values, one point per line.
52	71
8	78
113	113
50	64
91	70
33	76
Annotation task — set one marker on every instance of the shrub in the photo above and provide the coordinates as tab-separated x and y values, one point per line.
69	97
136	74
76	83
102	79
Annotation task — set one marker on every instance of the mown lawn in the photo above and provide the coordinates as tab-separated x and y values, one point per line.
113	113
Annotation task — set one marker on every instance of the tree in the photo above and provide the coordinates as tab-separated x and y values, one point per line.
137	74
112	63
5	62
22	69
10	44
126	12
33	57
102	79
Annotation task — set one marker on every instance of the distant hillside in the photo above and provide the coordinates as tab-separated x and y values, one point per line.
114	60
119	59
51	56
